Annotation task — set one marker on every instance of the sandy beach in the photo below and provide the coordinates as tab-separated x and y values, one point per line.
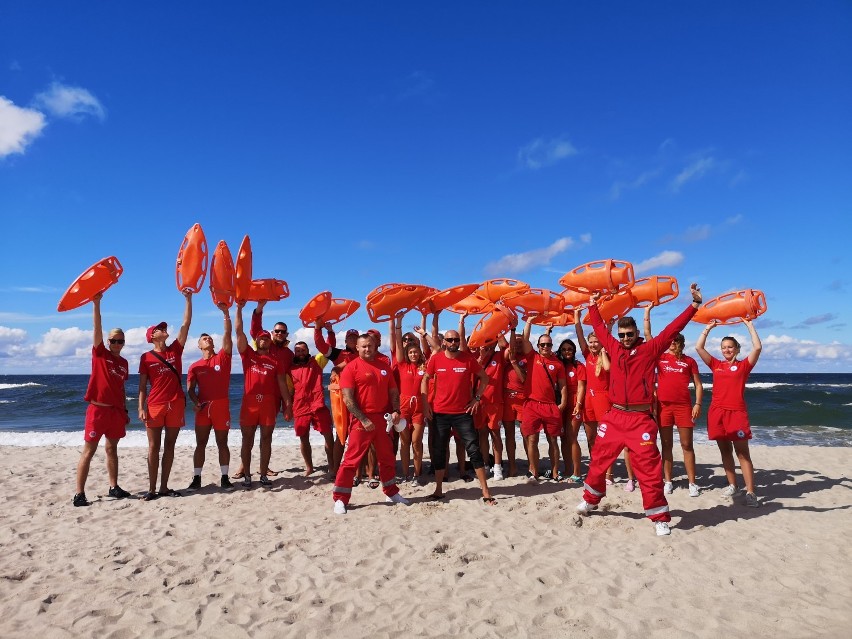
278	562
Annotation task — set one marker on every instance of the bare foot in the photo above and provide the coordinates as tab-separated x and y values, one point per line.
308	471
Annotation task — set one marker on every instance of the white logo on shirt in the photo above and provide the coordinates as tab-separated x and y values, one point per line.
645	437
420	373
733	368
571	374
384	372
550	366
217	367
494	363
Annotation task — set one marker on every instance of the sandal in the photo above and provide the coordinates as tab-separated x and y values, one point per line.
272	473
238	475
576	479
170	493
559	476
373	483
149	496
357	481
489	501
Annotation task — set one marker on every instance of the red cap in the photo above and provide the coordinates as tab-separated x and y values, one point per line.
352	331
375	334
265	334
149	334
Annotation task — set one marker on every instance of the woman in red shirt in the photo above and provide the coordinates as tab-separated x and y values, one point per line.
727	419
411	366
575	375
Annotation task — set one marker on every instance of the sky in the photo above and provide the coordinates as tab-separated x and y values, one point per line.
429	143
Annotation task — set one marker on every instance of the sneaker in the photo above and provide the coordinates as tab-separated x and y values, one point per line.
264	481
498	472
415	483
729	491
226	483
548	474
751	500
246	481
662	529
532	479
196	483
397	499
609	481
630	486
118	492
694	491
585	508
80	500
668	488
339	507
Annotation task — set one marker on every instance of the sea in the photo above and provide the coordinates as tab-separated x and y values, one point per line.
810	409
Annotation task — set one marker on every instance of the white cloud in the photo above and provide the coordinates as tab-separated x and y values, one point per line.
619	187
518	262
664	259
11	339
64	101
541	153
59	342
18	127
694	171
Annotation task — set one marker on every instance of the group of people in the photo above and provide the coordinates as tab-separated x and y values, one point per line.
436	388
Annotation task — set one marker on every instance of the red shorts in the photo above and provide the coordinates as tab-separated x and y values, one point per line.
320	418
105	421
488	416
170	414
675	414
727	425
540	416
215	413
513	406
259	410
411	409
597	405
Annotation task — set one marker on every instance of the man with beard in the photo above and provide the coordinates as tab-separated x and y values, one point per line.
309	407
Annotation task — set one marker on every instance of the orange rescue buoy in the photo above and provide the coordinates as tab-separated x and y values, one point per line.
654	290
495	289
387	302
534	301
243	270
492	325
472	304
575	299
382	288
440	300
339	310
732	308
602	275
614	306
269	290
191	267
95	279
315	308
563	319
223	284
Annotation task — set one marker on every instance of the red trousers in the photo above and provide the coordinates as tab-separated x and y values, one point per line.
356	447
638	433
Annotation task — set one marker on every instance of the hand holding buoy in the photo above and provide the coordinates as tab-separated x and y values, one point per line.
696	293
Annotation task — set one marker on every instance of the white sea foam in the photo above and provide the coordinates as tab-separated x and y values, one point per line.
8	386
7	401
769	384
811	403
134	439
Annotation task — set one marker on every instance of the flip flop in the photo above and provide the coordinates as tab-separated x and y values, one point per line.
576	479
489	501
170	493
272	473
238	475
373	483
149	496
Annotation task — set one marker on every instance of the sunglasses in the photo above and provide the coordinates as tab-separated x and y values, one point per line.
279	330
545	344
627	334
116	341
452	340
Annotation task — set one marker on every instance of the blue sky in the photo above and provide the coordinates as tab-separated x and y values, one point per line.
432	143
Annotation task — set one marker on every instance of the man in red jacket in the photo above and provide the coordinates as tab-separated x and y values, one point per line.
629	422
309	407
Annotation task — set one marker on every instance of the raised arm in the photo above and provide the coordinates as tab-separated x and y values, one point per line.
227	339
525	337
702	340
424	343
462	336
183	333
647	325
578	328
98	334
396	340
242	342
257	319
756	346
324	347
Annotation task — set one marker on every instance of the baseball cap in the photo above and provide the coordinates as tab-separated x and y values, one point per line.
264	334
352	331
375	334
149	334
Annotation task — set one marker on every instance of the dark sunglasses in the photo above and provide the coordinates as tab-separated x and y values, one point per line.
547	344
279	330
116	341
627	334
452	340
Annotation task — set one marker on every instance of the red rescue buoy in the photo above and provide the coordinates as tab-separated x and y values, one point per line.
534	301
95	279
269	290
191	267
654	290
499	321
389	301
243	270
339	310
223	283
315	308
440	300
614	306
732	308
495	289
601	275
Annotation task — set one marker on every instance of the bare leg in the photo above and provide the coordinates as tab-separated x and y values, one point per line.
509	428
727	451
202	436
154	439
83	465
531	445
329	453
265	448
417	446
307	453
576	452
405	451
168	457
666	444
497	444
247	446
744	455
685	435
111	448
553	451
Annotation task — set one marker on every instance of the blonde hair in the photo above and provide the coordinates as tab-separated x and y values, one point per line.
116	331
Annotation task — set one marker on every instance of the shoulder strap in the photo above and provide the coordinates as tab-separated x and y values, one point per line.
552	384
167	363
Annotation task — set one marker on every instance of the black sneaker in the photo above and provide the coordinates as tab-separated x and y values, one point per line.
548	474
196	483
226	483
80	500
118	492
264	481
246	481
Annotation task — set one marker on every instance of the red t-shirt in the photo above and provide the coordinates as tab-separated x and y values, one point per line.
165	385
410	377
495	369
538	386
574	374
512	384
596	383
372	382
106	385
260	373
454	381
307	388
729	380
673	378
213	376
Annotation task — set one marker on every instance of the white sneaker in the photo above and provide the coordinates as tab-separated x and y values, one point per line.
498	472
397	499
729	491
667	488
694	491
585	508
339	507
662	529
415	483
630	486
751	500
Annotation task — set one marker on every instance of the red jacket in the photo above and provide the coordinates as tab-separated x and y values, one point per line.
307	388
631	373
